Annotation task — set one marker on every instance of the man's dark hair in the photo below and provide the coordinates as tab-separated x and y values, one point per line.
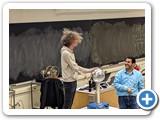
132	58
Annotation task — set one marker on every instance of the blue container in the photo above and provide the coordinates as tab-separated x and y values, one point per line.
94	105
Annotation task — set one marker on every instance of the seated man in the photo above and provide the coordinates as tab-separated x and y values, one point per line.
136	67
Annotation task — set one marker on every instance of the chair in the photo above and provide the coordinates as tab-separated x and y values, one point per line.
51	93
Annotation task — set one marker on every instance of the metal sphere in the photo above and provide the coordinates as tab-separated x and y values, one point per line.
98	75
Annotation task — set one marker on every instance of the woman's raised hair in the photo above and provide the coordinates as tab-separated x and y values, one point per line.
69	36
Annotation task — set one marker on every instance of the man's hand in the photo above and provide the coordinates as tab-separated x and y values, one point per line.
129	90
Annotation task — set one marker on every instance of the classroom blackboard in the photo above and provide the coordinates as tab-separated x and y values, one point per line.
34	46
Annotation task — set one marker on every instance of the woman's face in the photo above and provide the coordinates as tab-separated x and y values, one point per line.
75	43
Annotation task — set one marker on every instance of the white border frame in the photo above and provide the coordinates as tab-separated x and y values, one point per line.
8	6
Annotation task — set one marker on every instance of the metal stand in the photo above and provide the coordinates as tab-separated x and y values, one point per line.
31	85
98	92
12	93
31	94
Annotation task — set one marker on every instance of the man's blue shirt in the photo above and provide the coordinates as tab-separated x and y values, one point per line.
123	80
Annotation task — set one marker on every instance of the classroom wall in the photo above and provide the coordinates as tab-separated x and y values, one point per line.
47	15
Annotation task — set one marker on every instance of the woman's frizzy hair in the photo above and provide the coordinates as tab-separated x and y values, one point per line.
69	36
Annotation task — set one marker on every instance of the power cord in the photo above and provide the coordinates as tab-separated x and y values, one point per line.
17	104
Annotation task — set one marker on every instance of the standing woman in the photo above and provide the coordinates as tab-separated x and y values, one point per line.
70	68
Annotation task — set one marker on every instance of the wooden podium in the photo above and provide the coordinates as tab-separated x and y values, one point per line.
83	98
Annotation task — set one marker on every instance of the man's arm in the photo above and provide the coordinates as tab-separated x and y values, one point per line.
117	83
140	82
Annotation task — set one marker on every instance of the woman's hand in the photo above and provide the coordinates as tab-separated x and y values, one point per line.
92	69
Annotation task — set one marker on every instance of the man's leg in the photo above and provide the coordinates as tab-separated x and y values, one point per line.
133	103
121	101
